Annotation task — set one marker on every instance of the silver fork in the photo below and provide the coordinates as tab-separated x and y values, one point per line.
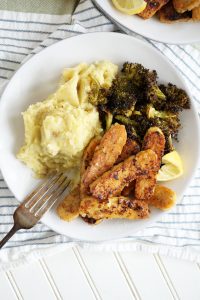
37	203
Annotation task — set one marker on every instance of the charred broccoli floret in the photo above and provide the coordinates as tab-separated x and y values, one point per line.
146	82
121	98
97	95
176	99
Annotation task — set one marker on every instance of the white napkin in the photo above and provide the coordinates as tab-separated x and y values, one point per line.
178	232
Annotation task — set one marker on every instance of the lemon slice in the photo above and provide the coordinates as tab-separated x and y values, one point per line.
130	7
172	167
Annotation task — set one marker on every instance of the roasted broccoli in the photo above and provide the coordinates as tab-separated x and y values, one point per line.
121	97
176	99
136	100
97	95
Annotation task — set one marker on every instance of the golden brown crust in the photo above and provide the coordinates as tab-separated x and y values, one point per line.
113	208
130	148
184	5
88	153
68	209
106	153
168	14
144	186
154	139
112	182
196	14
163	198
152	7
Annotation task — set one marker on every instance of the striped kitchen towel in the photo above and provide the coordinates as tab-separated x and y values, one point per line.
178	232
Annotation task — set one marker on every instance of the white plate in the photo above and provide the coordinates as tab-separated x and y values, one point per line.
177	33
39	77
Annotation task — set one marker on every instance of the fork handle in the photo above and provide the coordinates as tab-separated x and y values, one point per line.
13	230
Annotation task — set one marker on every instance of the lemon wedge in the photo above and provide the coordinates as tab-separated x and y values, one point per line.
172	167
130	7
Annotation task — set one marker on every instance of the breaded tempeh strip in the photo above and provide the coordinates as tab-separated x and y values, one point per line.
68	209
130	148
106	153
163	198
85	162
113	208
152	7
144	186
113	181
154	139
184	5
168	14
88	153
196	14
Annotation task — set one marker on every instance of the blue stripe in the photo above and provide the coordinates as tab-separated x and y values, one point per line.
191	196
35	239
11	61
194	186
84	10
7	69
172	228
99	25
31	22
54	38
176	66
30	31
3	188
187	204
7	206
184	213
153	243
178	222
16	46
22	40
189	55
91	18
8	51
7	197
171	237
30	231
38	244
6	215
68	30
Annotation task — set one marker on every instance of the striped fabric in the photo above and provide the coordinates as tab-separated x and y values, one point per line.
178	233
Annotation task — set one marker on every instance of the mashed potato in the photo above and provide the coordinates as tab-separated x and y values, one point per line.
59	128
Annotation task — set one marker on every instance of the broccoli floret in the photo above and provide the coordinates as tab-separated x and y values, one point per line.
121	98
146	82
176	99
135	72
151	112
97	95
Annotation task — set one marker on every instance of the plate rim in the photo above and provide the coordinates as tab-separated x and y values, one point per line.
153	219
128	31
